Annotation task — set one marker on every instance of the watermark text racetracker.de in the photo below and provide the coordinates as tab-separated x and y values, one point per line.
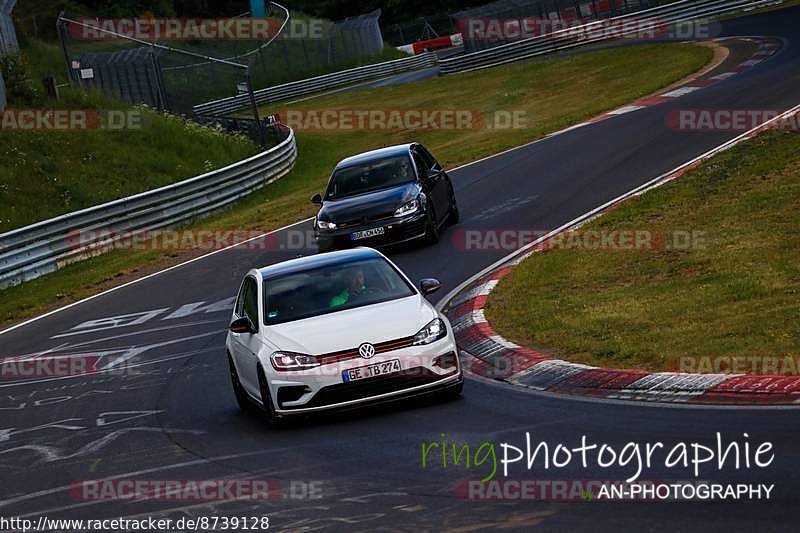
578	29
757	365
403	119
58	120
641	239
196	29
743	120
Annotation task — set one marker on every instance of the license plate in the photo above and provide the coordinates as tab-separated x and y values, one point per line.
370	371
367	233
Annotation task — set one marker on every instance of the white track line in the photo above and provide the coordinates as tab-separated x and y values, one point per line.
179	265
597	210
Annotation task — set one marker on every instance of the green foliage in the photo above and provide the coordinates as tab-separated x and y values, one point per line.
21	90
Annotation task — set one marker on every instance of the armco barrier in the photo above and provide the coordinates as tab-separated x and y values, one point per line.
660	17
325	82
29	252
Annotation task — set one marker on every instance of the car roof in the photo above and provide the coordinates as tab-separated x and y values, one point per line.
341	257
380	153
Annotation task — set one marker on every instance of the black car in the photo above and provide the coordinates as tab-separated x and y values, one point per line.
386	196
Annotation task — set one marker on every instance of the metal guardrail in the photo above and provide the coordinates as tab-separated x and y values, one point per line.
317	84
659	17
29	252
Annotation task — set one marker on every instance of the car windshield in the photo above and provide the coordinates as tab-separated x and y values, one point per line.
332	288
370	176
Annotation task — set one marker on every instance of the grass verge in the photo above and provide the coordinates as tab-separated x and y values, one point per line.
552	95
48	173
734	293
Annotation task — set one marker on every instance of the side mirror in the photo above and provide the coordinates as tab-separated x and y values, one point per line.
429	285
242	325
316	199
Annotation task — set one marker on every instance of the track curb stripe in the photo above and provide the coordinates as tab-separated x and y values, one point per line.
485	353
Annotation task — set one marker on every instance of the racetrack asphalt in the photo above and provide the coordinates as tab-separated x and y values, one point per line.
176	418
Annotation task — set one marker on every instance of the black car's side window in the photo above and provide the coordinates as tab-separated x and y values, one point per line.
430	160
422	166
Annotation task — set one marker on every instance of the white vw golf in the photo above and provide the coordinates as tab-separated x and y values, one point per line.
337	330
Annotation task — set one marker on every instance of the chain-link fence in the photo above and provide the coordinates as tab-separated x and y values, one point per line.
421	29
179	74
8	36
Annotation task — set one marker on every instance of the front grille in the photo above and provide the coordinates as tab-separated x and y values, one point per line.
367	388
352	353
366	220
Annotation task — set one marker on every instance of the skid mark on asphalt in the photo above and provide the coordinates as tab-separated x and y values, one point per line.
50	454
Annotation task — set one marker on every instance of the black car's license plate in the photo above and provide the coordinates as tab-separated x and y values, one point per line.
367	233
380	368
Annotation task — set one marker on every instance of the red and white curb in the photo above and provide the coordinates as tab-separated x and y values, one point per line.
767	47
485	353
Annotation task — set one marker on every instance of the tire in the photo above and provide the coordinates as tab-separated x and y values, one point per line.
454	216
266	399
245	404
431	228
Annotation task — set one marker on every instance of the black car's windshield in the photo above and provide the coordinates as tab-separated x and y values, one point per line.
333	288
370	176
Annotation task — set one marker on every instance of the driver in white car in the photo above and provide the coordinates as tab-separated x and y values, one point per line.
355	286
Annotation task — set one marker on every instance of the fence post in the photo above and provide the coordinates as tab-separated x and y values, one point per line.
2	93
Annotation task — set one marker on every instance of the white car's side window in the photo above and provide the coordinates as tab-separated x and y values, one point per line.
250	300
240	299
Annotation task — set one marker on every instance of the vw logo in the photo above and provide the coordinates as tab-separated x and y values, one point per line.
366	350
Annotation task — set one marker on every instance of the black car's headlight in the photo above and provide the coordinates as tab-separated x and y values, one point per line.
407	208
284	361
434	331
325	225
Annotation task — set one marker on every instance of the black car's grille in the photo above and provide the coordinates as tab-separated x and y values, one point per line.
366	388
411	230
362	221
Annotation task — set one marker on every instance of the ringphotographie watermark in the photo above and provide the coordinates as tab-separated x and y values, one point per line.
634	457
72	120
732	119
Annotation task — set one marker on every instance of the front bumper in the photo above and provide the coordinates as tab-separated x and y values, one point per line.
397	231
324	388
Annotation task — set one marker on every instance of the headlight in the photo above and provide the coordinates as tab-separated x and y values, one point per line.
322	224
434	331
407	208
283	361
